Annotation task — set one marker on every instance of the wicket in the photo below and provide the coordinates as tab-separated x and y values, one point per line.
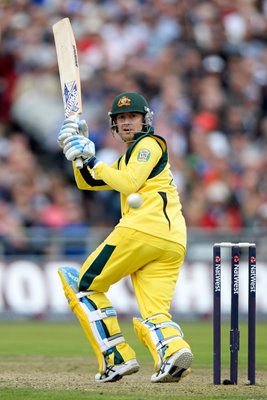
234	332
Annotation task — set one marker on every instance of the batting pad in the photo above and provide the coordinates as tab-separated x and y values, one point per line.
161	336
98	320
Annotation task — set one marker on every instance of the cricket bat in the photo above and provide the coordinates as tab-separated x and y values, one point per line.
69	72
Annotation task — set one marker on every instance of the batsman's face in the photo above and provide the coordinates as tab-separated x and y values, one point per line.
128	124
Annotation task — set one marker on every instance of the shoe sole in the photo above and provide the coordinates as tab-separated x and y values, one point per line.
180	368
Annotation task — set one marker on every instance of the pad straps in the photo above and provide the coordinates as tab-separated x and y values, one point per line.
95	318
157	336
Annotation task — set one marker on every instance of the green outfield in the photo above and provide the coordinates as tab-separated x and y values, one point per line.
47	360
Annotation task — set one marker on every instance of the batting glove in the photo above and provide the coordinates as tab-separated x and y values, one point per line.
72	127
78	146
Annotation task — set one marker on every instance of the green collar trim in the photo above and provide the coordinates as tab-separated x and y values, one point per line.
150	131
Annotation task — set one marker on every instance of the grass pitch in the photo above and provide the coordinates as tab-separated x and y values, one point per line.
46	360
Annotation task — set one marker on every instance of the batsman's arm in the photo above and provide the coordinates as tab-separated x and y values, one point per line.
85	180
130	179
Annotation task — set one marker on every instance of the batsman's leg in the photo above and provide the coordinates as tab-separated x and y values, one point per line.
154	287
171	353
99	321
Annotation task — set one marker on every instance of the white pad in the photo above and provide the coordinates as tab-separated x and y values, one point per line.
156	335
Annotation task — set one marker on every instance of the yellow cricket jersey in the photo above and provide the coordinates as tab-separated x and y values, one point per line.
143	169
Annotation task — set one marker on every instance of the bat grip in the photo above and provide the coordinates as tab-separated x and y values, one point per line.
78	163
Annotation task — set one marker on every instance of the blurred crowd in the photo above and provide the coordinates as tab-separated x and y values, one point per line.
201	65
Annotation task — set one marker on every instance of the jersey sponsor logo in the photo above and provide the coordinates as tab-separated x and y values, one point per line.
143	155
124	101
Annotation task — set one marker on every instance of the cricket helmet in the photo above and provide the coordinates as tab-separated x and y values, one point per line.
130	102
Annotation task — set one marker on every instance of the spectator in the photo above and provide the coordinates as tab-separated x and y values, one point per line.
202	66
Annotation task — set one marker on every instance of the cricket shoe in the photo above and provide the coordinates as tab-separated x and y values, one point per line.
174	367
114	373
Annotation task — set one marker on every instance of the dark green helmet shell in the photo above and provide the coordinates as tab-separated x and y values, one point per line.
129	102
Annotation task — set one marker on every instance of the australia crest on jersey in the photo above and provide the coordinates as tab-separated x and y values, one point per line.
143	155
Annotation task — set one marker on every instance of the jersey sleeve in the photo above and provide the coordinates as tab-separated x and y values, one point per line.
85	180
143	159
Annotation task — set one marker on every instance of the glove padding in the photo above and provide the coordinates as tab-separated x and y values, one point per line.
72	127
78	146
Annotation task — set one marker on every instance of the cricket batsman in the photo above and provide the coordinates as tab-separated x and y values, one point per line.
148	244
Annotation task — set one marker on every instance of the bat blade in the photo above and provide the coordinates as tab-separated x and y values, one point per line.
69	72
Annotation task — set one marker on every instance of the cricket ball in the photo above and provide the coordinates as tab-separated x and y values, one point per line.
134	200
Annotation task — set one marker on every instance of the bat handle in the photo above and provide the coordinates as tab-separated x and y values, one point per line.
78	163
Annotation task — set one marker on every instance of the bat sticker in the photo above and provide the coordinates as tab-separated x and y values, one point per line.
71	98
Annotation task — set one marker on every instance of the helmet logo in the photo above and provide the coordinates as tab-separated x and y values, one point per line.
124	101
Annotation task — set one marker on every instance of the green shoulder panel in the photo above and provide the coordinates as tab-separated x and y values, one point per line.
161	164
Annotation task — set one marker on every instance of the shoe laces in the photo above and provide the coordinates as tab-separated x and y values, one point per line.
109	368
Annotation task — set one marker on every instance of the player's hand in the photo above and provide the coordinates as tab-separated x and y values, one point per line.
72	127
83	128
78	146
